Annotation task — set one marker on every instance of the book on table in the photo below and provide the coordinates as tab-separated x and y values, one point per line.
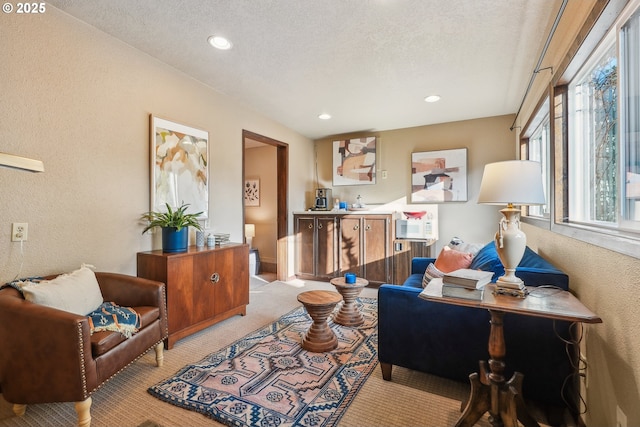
468	278
436	287
456	291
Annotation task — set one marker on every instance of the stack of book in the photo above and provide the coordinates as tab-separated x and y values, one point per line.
465	283
221	238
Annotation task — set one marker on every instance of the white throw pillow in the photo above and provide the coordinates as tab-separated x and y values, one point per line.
76	292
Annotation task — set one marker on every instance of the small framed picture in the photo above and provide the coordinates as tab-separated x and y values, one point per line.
439	176
252	192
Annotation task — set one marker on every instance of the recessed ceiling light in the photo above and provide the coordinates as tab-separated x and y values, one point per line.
324	116
219	42
432	98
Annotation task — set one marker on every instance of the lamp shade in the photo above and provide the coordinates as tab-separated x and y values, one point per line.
249	230
517	182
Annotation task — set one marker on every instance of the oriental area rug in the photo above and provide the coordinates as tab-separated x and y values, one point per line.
266	379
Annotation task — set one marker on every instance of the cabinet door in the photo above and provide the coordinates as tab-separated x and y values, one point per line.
403	253
325	249
231	289
350	251
203	291
376	249
305	248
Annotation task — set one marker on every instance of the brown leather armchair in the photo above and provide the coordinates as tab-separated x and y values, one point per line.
49	355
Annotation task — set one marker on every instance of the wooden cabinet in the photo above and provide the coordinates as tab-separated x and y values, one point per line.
404	251
365	247
329	245
316	246
203	285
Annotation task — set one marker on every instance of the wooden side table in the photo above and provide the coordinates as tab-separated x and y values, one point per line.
349	315
489	390
319	304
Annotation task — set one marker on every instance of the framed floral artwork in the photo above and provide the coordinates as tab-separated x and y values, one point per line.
179	172
439	176
252	192
354	161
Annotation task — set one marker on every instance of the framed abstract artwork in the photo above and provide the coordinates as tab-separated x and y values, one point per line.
354	161
439	176
252	192
179	172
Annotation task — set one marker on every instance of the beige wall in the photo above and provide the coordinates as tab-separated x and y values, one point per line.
487	140
80	101
261	163
605	281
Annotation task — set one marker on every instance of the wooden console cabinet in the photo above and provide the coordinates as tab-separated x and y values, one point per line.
331	244
204	285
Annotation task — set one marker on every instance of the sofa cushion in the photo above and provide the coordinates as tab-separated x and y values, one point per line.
77	292
458	244
487	259
450	260
431	272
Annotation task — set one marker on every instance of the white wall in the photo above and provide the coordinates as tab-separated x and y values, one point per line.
80	100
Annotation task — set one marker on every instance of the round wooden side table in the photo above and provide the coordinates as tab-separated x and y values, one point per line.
319	304
349	315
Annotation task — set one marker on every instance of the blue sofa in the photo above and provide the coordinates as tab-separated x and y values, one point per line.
449	341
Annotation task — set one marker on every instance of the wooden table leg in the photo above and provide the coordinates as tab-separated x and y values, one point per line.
319	305
489	390
349	315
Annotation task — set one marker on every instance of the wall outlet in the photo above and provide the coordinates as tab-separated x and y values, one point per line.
19	231
384	174
621	418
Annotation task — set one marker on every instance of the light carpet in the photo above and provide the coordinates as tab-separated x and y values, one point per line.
411	399
267	379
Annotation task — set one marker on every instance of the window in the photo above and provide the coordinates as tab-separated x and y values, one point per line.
593	139
594	149
603	149
538	151
630	87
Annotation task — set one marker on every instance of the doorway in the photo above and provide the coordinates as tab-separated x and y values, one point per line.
262	217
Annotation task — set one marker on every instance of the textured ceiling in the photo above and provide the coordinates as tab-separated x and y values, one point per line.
368	63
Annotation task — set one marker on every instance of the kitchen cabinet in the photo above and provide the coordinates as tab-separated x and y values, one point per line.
316	246
365	247
203	285
330	245
404	251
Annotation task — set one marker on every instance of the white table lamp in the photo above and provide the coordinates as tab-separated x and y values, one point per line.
249	232
514	182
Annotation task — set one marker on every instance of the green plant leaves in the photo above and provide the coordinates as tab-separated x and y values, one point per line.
177	218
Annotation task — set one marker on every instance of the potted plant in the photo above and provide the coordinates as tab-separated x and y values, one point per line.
175	225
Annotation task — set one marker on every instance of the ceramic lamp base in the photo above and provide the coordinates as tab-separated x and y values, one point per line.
510	244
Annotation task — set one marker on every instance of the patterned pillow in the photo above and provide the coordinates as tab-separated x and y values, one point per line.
430	273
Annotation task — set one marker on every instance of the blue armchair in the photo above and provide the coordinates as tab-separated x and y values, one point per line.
449	341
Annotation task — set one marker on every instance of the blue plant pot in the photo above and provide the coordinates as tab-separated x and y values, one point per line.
175	241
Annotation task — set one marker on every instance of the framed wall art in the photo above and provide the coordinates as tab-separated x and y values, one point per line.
439	176
354	161
179	172
252	192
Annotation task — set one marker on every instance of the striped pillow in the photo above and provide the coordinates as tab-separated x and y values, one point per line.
430	273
